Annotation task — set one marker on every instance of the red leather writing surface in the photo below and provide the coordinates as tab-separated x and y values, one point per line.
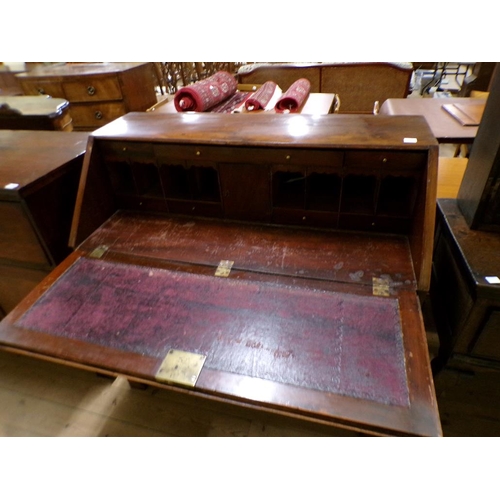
327	341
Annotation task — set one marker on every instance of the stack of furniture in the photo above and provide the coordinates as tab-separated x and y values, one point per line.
98	93
174	75
360	86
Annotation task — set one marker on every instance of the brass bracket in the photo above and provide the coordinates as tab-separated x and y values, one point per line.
180	367
224	268
381	287
98	252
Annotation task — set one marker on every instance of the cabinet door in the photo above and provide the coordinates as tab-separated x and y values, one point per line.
246	191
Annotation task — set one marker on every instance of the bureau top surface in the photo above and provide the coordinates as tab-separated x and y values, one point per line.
26	156
320	131
79	69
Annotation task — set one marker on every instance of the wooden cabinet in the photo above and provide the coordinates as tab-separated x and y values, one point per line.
35	113
98	92
465	290
39	174
466	270
273	257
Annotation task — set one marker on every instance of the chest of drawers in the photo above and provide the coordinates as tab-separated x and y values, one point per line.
98	92
39	173
267	261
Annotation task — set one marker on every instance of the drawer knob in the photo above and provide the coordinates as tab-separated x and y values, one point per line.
98	115
41	91
198	153
384	160
287	157
90	90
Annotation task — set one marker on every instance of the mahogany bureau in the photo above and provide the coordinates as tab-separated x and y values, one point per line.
270	262
98	92
39	173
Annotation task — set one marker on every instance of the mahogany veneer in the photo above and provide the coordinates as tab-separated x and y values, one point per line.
328	222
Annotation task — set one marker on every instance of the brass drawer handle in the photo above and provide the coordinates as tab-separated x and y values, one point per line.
98	115
90	90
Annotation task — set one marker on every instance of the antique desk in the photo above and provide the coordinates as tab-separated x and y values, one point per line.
98	92
39	174
270	262
445	128
34	113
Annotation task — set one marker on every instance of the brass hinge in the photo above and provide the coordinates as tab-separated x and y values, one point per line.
99	251
381	287
224	268
180	367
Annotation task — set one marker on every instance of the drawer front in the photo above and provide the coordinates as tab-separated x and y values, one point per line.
124	150
96	115
280	156
18	241
92	89
386	159
42	87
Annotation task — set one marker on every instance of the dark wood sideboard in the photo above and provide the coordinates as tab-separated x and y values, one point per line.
39	175
466	271
466	291
271	262
98	92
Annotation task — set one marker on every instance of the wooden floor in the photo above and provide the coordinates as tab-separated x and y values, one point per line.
38	398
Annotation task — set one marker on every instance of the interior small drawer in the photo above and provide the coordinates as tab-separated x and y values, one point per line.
92	89
386	159
42	87
96	115
281	158
123	150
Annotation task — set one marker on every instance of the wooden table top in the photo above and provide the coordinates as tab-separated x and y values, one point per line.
445	128
316	104
29	155
78	69
343	130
